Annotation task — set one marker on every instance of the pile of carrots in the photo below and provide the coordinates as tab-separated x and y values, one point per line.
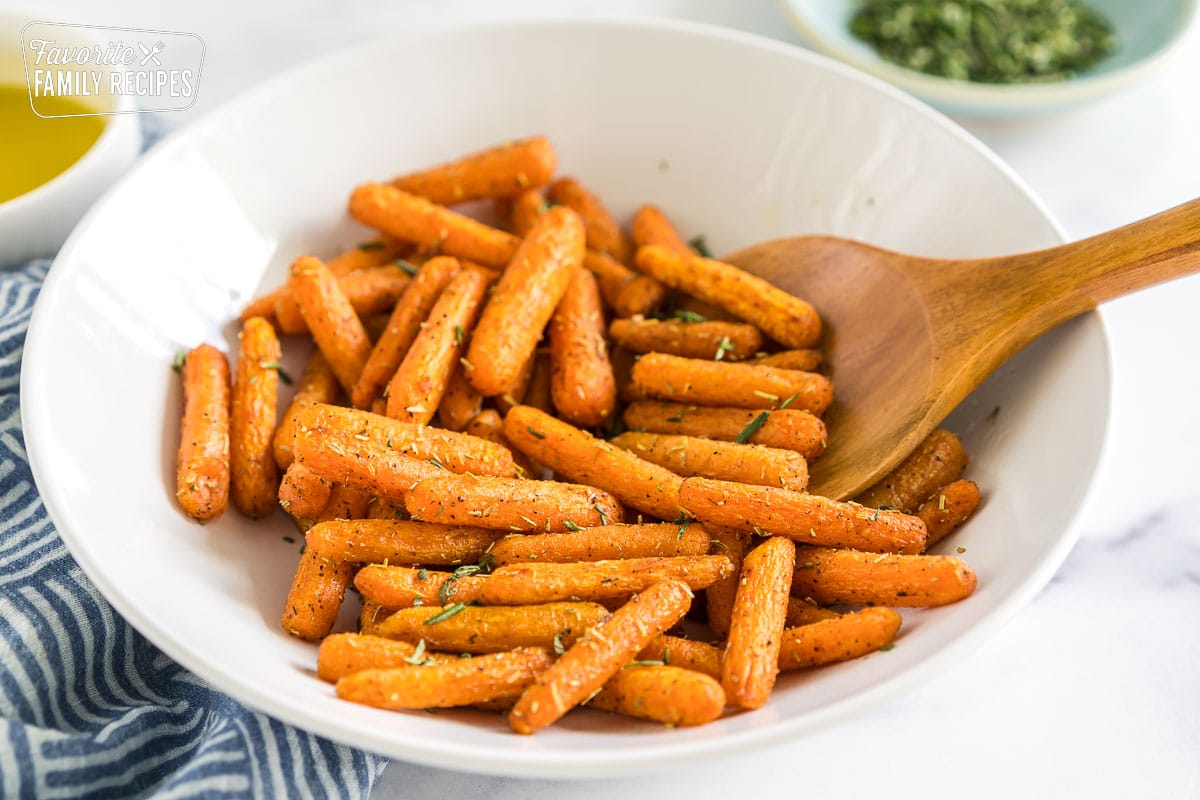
529	525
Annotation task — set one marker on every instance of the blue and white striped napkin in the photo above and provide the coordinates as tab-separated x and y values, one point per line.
88	707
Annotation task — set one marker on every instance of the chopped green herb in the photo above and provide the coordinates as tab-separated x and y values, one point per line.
179	360
645	664
752	428
675	419
666	656
407	266
886	647
988	41
374	245
459	334
289	540
603	516
700	245
418	601
559	649
535	434
789	401
417	659
278	367
571	526
724	346
436	462
445	614
682	521
422	574
689	316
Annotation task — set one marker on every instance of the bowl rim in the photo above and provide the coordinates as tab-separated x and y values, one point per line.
996	97
518	762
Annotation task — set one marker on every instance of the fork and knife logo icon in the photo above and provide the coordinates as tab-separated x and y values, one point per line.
151	54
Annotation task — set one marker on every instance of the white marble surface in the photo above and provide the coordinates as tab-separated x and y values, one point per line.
1089	692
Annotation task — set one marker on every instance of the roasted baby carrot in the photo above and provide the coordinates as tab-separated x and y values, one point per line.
841	638
685	653
525	209
642	295
493	629
717	383
416	390
588	664
613	277
501	171
947	509
510	504
581	385
318	384
577	455
457	452
603	232
462	402
524	300
363	463
370	616
334	325
373	290
787	429
374	541
788	320
751	660
719	597
429	225
402	587
604	543
411	310
346	653
254	475
807	360
719	341
801	612
939	460
668	695
303	493
850	576
651	226
446	684
807	518
202	466
709	458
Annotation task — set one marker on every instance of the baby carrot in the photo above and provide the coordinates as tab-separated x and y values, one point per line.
787	429
807	360
303	493
603	232
446	684
362	463
719	597
709	458
373	290
415	219
940	459
685	653
254	473
493	629
501	171
411	310
642	295
525	209
668	695
510	504
318	384
788	320
801	612
604	543
202	467
588	664
346	653
716	383
947	509
415	391
840	638
393	541
751	660
581	385
720	341
807	518
850	576
651	226
524	300
334	325
613	277
462	402
575	454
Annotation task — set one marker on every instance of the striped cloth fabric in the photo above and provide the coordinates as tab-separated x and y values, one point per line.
88	707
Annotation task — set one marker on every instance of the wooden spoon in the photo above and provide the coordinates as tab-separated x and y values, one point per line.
907	338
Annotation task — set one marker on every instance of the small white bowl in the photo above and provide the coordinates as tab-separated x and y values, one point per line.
1147	33
37	222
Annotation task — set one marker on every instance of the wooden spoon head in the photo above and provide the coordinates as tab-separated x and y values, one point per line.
879	346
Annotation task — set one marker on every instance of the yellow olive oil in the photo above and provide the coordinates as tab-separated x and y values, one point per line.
33	149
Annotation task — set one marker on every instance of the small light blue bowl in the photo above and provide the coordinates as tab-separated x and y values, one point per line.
1147	32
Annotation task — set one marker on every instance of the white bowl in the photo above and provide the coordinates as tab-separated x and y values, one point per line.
37	222
778	142
1147	33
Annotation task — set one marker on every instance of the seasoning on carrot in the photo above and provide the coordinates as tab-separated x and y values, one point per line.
501	171
509	504
254	474
719	341
331	319
751	660
716	383
709	458
581	385
850	576
787	429
939	460
603	232
202	466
